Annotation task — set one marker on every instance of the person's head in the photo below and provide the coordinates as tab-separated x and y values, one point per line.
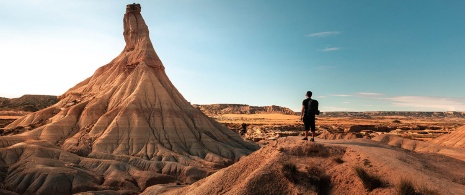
309	94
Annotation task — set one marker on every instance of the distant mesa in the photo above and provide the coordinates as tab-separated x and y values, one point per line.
218	109
124	128
27	103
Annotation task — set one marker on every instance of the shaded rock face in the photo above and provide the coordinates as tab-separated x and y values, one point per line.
129	113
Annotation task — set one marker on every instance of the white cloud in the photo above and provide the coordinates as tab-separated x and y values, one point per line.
324	34
369	94
341	95
429	103
331	49
333	109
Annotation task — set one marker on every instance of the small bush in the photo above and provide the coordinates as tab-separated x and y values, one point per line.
290	172
406	187
370	182
338	160
313	178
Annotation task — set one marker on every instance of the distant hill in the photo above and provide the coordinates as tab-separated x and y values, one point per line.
29	103
393	113
218	109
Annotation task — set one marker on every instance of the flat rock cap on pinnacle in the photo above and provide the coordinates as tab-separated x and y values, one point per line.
135	7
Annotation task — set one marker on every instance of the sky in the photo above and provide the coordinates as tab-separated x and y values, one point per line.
359	55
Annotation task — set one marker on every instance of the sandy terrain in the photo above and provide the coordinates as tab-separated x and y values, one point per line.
270	126
328	166
128	130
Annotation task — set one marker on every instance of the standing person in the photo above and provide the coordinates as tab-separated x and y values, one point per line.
307	115
244	128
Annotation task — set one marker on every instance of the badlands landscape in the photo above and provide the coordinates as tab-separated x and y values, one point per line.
128	130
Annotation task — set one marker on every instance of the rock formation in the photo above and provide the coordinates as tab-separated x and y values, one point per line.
124	128
28	103
455	139
218	109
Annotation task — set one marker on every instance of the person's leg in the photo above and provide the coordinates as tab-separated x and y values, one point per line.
313	128
307	127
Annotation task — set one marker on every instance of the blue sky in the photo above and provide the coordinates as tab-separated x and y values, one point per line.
359	55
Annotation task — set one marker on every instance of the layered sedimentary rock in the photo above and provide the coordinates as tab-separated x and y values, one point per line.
129	114
455	139
218	109
28	103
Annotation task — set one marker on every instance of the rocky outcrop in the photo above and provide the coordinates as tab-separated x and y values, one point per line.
29	103
219	109
456	139
377	128
126	127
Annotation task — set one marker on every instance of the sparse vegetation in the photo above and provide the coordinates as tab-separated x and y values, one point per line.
396	121
338	160
318	150
406	187
313	178
290	171
370	182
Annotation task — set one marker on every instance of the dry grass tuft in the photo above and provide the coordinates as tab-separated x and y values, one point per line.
338	160
313	150
406	187
290	172
313	178
370	182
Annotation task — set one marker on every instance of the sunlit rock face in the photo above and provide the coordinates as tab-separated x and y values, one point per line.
125	127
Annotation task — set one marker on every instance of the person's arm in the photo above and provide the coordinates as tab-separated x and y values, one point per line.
302	112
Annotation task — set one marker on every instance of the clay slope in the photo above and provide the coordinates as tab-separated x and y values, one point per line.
420	146
455	139
328	167
129	109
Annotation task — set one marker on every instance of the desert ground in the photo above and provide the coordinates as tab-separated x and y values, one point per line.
127	130
337	124
409	161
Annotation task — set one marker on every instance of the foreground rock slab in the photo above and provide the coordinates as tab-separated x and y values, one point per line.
293	166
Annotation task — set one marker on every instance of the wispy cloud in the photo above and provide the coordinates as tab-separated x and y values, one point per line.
324	34
331	49
429	103
369	94
341	95
333	109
